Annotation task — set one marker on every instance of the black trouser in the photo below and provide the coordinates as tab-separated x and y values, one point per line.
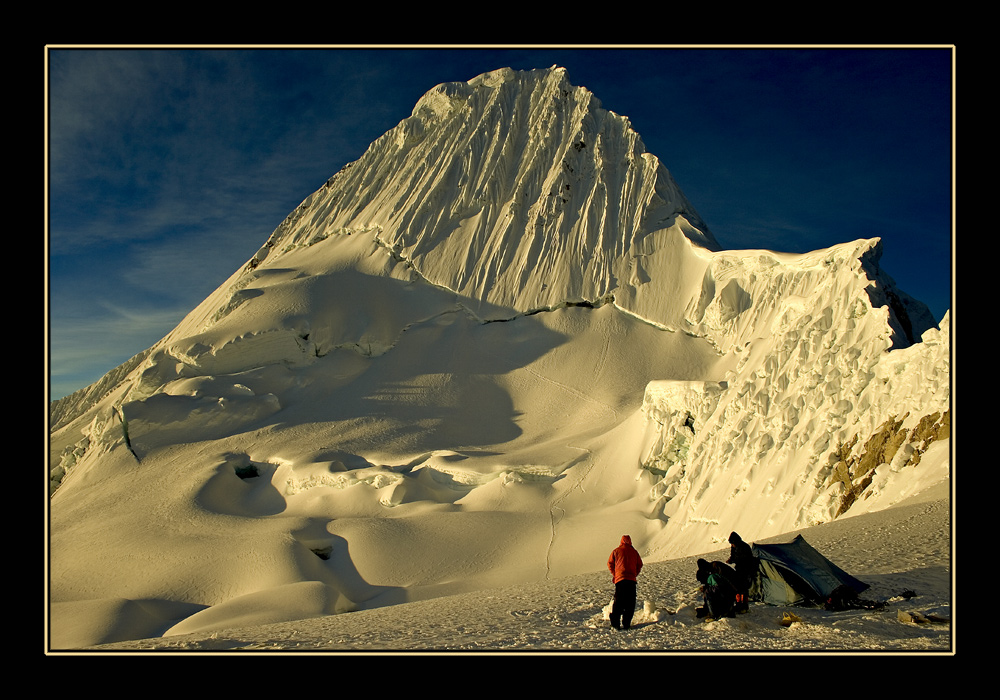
720	600
623	606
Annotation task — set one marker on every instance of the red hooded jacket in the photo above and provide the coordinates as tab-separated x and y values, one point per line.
625	562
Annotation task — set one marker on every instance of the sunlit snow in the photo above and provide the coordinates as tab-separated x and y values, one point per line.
423	414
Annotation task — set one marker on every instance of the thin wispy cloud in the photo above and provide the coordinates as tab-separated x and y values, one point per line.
105	333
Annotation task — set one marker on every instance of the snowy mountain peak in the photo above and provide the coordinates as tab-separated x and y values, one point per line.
515	189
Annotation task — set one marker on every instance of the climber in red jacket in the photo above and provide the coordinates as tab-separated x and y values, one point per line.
624	565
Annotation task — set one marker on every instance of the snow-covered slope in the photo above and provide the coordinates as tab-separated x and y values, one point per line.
903	553
475	357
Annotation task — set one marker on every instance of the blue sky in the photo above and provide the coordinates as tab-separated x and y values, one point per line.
168	168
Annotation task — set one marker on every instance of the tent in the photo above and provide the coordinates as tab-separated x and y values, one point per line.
794	573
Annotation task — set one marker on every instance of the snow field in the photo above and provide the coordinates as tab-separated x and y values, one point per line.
904	548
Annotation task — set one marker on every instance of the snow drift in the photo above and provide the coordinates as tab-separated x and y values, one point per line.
475	357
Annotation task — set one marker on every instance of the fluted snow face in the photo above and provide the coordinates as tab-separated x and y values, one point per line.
515	189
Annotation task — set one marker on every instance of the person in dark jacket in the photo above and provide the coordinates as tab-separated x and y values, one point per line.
718	589
742	558
624	565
